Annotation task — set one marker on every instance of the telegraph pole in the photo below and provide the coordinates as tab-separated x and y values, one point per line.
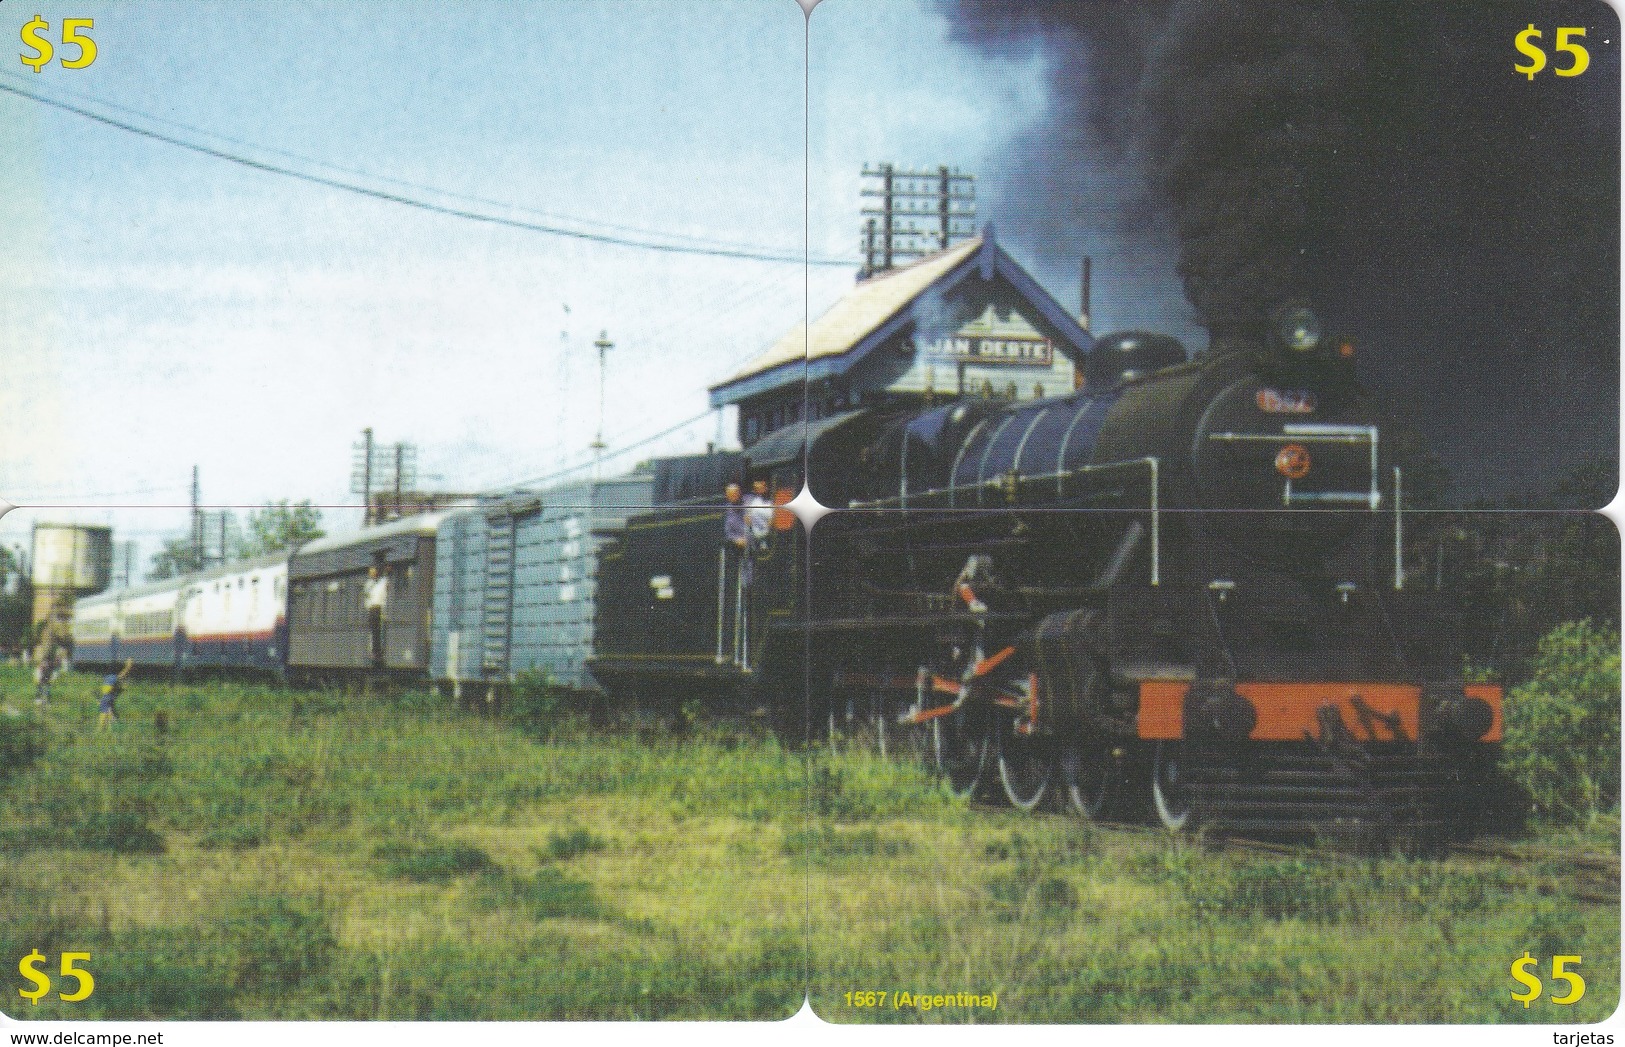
603	345
400	455
887	226
367	476
361	474
917	213
197	523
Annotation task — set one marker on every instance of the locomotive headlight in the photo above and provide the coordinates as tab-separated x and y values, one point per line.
1299	330
1293	461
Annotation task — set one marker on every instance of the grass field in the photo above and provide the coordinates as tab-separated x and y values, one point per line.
1119	924
277	854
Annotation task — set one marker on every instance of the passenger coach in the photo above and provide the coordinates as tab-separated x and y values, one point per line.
227	618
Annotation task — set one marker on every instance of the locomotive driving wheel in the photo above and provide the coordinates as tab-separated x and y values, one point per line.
1170	789
959	746
1026	759
1090	777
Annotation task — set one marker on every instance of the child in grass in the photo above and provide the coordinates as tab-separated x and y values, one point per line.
112	687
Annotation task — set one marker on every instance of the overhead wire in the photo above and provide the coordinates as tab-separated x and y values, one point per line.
699	247
104	103
560	473
755	254
741	297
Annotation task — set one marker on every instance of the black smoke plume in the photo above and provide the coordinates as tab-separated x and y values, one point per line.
1378	158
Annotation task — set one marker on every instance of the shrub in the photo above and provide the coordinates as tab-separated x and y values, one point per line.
1562	726
279	770
420	702
539	705
230	837
122	832
147	763
434	862
1027	892
825	843
569	845
22	741
549	893
175	982
1291	889
276	943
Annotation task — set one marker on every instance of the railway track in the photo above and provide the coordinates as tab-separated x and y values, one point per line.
1588	876
1584	875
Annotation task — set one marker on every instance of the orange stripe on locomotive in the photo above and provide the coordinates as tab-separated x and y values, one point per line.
1287	711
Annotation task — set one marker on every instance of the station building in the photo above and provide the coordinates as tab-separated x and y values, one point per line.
968	321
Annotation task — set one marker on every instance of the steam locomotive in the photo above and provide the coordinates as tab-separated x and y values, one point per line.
1181	587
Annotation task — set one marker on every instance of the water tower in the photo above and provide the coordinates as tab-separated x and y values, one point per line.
68	561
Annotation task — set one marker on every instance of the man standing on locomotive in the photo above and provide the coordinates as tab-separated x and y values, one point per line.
759	515
736	546
735	529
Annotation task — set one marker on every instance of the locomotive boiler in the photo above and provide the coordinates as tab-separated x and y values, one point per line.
1183	586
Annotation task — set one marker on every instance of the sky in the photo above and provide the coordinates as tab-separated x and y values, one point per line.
161	309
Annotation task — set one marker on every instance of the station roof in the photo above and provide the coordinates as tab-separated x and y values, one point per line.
883	305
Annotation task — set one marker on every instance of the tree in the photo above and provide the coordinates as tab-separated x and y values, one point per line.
16	601
176	558
1515	576
282	525
1562	727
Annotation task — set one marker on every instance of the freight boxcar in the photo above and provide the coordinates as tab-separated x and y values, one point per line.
516	582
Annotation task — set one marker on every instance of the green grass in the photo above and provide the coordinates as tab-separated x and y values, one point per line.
281	854
576	842
432	863
1071	923
288	855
